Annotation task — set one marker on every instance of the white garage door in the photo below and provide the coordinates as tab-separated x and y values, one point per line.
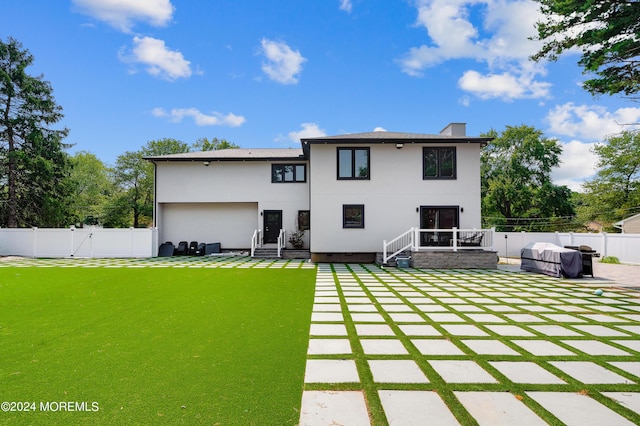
231	224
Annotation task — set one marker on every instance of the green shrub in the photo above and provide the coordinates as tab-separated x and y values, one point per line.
610	259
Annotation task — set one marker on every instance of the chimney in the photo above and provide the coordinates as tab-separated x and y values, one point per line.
455	130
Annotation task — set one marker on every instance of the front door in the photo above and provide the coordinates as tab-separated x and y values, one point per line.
437	218
272	225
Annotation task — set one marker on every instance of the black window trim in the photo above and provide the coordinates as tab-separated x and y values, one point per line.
304	220
294	165
344	216
353	149
438	149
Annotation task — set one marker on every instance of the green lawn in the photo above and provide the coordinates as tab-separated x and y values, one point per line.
192	346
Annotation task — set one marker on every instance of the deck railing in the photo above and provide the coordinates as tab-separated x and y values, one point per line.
282	241
454	239
255	241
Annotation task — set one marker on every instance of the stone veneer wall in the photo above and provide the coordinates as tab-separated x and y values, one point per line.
295	254
463	259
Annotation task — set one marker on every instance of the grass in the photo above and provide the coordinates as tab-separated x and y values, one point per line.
610	259
173	346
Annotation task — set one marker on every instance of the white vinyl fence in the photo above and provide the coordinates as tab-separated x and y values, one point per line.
626	247
79	242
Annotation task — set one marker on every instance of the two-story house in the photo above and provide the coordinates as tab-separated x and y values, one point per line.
350	192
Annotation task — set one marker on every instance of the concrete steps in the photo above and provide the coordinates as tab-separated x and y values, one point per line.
272	253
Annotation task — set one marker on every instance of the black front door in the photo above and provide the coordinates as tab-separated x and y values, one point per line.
272	225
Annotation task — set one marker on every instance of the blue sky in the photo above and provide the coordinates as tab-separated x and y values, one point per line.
265	73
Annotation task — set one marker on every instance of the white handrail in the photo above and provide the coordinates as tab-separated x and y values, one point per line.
282	242
255	241
397	245
453	239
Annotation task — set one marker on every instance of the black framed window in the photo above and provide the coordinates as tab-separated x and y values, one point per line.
304	220
353	216
354	163
439	163
288	173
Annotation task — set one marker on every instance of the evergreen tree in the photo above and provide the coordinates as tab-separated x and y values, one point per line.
33	165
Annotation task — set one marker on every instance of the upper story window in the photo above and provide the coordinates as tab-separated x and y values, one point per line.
353	163
287	173
439	163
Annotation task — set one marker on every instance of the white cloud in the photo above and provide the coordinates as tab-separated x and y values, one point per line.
200	119
159	60
506	85
309	130
283	64
591	122
346	5
122	14
497	34
379	129
578	164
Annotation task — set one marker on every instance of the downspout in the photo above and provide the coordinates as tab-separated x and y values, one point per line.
155	194
309	195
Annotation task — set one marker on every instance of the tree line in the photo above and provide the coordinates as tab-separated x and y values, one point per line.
42	185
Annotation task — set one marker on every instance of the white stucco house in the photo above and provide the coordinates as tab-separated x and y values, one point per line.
349	192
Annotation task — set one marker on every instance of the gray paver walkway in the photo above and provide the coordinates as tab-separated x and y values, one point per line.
460	346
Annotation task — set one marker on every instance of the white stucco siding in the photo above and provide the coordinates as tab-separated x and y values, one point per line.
189	193
224	181
391	196
231	224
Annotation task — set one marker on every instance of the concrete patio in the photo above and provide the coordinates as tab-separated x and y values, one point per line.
408	346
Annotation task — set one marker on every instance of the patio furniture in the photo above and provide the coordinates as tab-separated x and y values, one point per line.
550	259
182	249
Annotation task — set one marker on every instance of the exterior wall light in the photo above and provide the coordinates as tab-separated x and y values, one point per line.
206	163
399	145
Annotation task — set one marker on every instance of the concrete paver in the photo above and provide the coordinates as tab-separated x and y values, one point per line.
589	372
331	371
498	408
579	410
320	408
396	371
489	347
542	348
626	399
454	371
415	407
595	347
525	372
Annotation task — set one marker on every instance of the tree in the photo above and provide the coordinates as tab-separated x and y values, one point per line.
92	187
134	177
33	166
615	189
517	191
605	31
204	144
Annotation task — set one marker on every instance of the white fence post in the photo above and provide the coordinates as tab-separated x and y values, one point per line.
72	229
455	238
35	241
93	231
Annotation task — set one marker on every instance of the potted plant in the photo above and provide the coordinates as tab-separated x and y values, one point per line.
296	239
